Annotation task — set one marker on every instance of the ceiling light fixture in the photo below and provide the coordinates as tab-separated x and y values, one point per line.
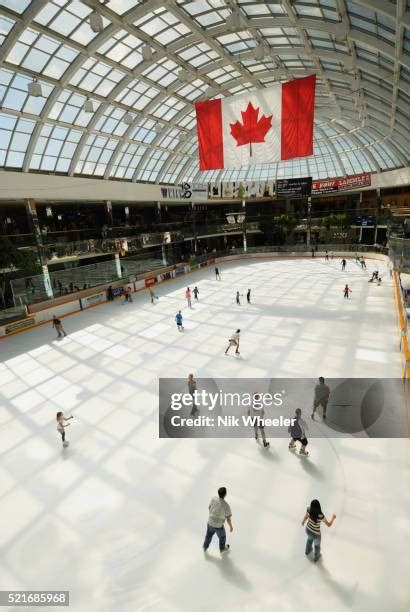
88	106
34	89
96	22
128	119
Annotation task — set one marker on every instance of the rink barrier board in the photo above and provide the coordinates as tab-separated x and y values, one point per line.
139	284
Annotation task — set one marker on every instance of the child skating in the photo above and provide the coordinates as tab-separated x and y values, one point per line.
248	296
188	297
61	425
346	292
298	433
234	341
343	262
238	298
178	319
217	275
314	516
196	293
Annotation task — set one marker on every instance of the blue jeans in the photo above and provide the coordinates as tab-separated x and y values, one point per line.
313	538
220	532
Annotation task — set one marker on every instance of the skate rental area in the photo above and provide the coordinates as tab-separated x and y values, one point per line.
204	305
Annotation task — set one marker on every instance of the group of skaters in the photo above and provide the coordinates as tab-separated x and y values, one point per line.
219	512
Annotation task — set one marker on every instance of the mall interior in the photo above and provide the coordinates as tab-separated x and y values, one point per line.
103	196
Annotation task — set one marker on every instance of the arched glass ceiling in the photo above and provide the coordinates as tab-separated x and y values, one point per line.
116	100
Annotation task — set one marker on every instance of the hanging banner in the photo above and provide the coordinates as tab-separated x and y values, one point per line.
294	188
354	181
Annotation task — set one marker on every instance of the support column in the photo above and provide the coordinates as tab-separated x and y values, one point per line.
35	228
118	265
164	255
309	220
245	246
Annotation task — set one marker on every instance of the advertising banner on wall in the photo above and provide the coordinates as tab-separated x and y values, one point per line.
294	188
18	325
186	191
354	181
242	190
93	300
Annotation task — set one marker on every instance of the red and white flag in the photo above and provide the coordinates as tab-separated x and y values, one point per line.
260	127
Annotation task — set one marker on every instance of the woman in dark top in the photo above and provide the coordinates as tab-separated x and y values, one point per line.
314	516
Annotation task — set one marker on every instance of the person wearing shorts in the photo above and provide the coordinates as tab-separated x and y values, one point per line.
178	319
58	327
234	341
321	398
298	433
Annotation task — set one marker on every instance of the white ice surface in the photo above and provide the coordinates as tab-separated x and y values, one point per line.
118	518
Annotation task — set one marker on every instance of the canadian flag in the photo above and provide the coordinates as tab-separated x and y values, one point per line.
259	127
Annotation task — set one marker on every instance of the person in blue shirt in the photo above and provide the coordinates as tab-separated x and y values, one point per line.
178	319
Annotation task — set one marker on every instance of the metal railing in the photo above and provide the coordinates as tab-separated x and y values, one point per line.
31	289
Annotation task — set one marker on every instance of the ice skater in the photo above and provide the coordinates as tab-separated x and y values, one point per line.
219	512
248	296
322	393
363	263
257	411
217	275
313	252
326	256
234	341
188	297
238	298
61	425
314	516
298	433
196	293
178	319
375	276
152	295
346	292
59	327
343	262
191	390
128	295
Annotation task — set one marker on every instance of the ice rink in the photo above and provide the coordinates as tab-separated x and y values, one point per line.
119	517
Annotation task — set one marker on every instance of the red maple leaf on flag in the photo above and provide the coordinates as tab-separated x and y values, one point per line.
251	130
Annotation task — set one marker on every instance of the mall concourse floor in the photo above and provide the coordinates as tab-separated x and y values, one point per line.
118	518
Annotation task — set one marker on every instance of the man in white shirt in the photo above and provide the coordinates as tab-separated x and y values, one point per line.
219	512
234	341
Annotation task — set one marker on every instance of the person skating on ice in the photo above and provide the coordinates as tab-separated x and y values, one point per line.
298	433
58	327
257	411
61	426
196	293
219	512
178	319
217	275
188	297
346	291
326	256
363	262
248	296
322	393
343	262
238	298
234	341
191	390
314	517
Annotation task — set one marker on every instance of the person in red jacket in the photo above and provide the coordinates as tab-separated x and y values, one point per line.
346	291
